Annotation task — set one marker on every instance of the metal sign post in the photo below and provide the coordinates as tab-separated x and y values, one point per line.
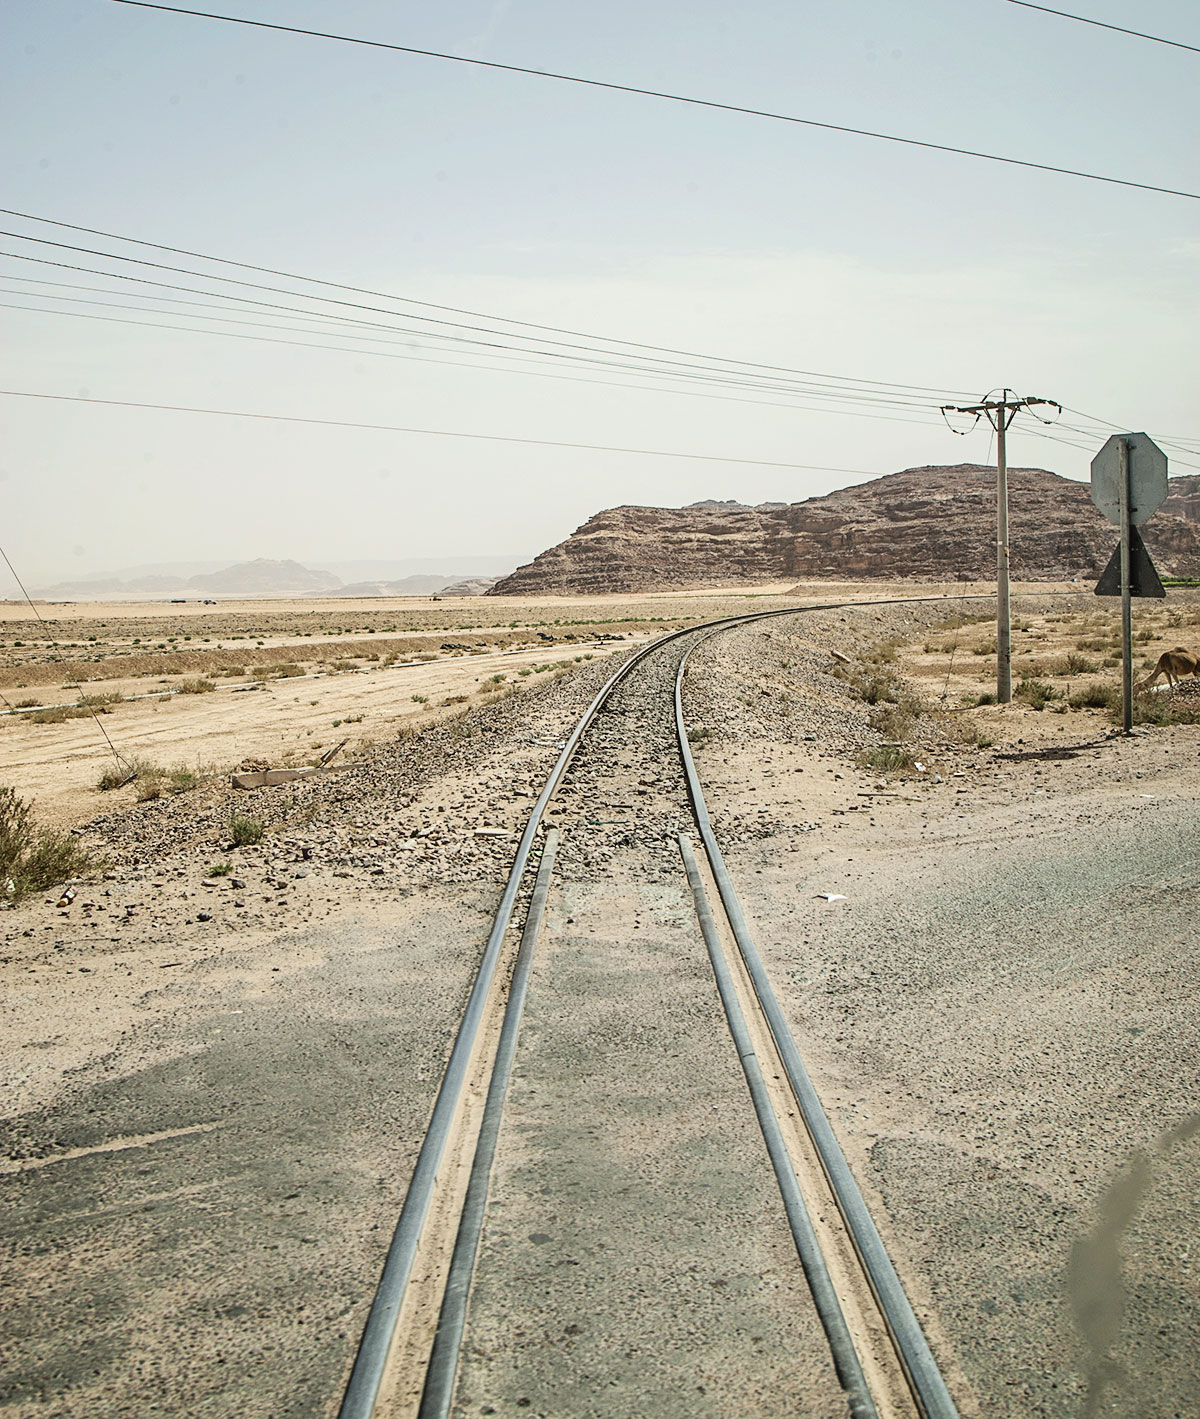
1126	599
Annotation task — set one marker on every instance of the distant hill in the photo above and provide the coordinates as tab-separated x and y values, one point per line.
471	586
406	586
931	523
264	577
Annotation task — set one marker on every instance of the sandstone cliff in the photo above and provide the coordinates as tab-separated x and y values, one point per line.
1183	500
927	523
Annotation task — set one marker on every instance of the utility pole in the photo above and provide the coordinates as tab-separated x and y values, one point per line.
1000	413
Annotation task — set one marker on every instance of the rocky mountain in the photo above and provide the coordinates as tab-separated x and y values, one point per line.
930	523
1183	499
471	586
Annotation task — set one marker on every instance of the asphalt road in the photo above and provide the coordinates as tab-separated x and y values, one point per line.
228	1270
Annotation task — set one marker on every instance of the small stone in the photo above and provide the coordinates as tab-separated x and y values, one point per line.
204	916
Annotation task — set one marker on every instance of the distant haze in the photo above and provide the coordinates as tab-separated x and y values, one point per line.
267	577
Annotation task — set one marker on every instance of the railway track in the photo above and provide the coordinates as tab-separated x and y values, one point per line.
409	1356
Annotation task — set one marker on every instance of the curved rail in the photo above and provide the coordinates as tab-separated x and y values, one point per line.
370	1363
367	1374
924	1377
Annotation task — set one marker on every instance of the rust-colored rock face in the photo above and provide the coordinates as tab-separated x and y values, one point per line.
925	523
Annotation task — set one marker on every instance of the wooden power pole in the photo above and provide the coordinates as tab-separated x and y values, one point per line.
1000	413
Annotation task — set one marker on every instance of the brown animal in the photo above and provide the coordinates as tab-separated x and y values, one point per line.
1174	664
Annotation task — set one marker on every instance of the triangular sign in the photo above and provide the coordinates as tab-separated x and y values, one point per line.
1143	579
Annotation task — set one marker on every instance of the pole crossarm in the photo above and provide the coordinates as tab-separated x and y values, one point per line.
1000	406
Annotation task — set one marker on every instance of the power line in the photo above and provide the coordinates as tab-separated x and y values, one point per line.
434	433
1101	25
590	355
705	381
453	363
1091	447
1176	443
793	404
407	300
660	94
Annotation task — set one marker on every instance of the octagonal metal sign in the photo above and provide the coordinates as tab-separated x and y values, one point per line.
1147	478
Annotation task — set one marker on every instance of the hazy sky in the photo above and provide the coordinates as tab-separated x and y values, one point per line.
607	213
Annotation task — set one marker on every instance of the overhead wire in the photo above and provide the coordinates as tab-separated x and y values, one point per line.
432	433
870	391
1180	443
428	305
795	402
658	94
1103	25
828	407
703	379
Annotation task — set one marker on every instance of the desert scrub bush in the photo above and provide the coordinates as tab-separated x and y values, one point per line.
455	700
984	648
699	735
220	869
1149	708
231	670
887	758
345	665
419	699
1037	694
285	670
244	830
896	721
195	685
878	689
115	776
1080	664
59	714
882	654
33	858
27	703
1097	695
101	699
153	780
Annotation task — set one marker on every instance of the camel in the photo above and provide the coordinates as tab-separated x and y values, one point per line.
1174	664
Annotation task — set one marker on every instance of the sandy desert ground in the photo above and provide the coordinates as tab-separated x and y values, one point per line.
218	1059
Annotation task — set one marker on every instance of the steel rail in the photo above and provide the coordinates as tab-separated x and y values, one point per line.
366	1376
924	1377
438	1394
370	1362
846	1360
